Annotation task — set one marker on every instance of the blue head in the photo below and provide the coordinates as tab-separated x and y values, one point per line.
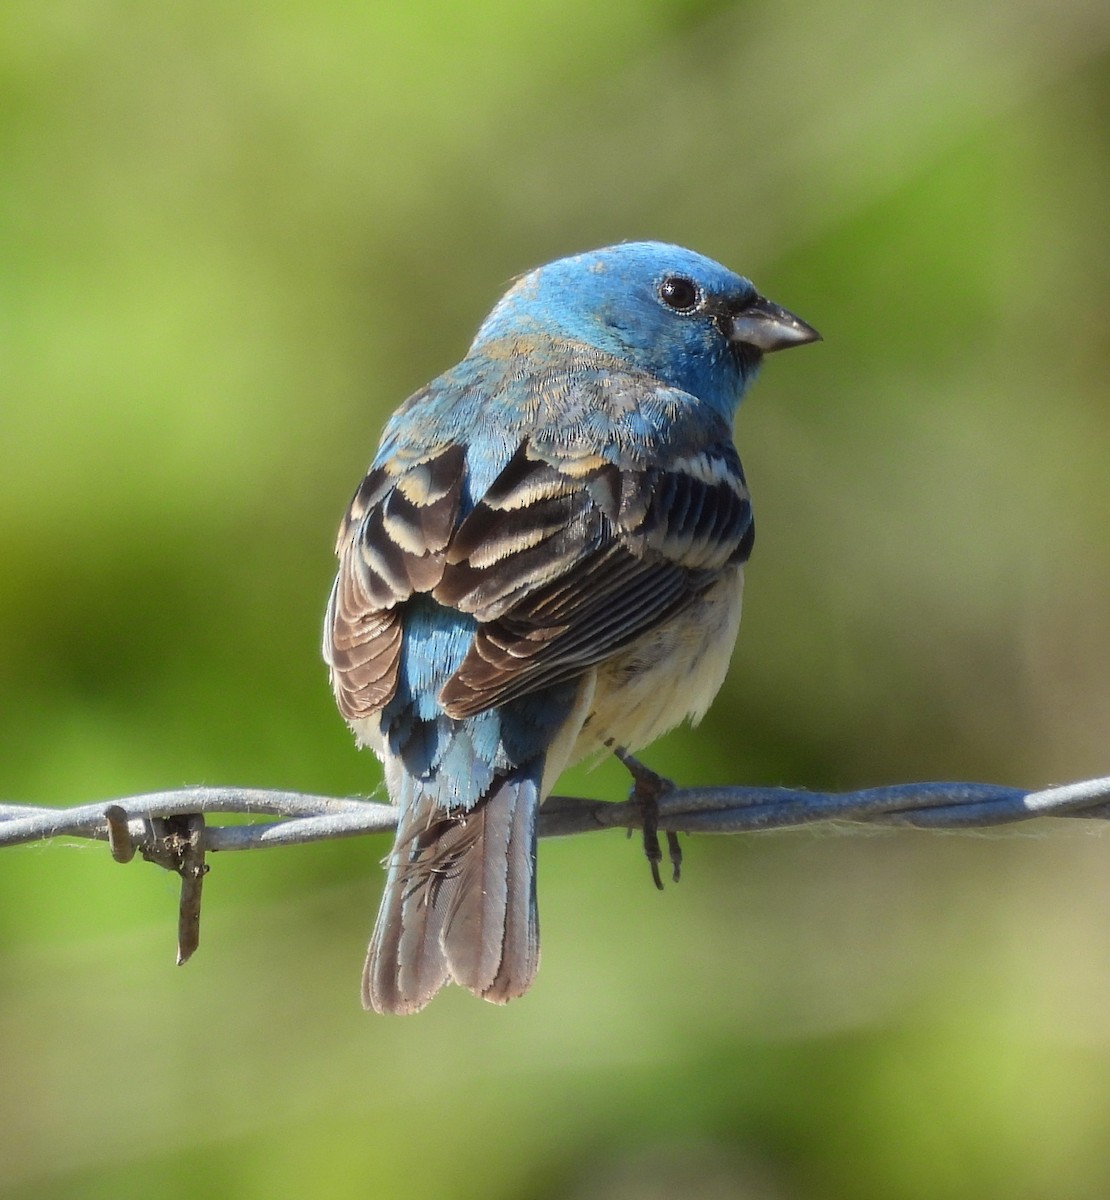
674	314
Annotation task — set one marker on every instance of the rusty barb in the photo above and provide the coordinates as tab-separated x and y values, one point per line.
175	843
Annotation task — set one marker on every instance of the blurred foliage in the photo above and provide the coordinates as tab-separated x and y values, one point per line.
235	236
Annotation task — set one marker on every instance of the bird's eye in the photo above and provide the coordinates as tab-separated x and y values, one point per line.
680	293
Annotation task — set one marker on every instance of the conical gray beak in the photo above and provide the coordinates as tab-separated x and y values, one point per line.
764	325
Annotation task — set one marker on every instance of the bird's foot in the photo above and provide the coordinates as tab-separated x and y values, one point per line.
647	790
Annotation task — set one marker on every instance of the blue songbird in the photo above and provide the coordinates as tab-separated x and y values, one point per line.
544	560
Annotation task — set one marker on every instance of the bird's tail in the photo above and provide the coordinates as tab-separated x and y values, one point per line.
460	899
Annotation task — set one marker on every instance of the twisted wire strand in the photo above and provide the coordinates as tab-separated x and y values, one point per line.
307	818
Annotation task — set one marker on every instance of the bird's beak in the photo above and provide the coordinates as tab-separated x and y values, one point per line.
763	324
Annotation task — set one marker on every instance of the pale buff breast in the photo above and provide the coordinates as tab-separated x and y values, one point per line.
670	674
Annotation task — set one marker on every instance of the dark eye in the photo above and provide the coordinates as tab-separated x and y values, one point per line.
679	293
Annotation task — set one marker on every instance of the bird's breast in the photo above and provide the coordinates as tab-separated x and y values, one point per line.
667	675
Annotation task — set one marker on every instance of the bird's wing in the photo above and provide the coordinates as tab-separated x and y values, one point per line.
391	544
567	558
564	559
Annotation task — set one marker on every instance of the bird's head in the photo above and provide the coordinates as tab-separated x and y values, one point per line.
674	314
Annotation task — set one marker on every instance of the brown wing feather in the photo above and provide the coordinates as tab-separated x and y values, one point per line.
391	544
562	562
563	569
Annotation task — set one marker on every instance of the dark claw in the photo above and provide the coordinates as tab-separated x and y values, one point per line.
652	850
647	788
674	850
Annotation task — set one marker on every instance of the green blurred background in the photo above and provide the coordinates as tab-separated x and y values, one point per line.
234	237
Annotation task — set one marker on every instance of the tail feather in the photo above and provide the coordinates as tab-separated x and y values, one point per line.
520	956
491	936
459	901
406	965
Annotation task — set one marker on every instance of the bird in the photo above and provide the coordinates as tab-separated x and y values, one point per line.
544	562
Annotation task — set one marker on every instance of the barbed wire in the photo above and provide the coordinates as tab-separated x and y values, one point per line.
169	828
309	818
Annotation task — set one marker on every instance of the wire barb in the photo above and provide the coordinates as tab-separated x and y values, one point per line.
192	871
175	843
119	834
